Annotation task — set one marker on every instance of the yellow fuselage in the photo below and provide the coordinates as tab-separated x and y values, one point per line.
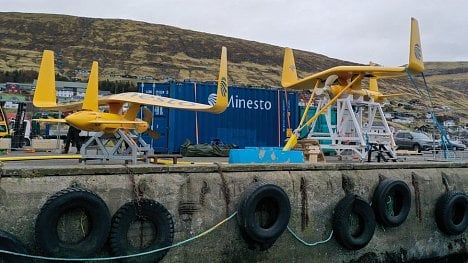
96	122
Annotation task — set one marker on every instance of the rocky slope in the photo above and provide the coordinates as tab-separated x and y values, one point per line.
159	52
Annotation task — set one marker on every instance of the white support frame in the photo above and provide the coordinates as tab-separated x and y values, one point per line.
352	132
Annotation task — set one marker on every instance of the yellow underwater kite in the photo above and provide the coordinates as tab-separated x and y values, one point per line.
338	80
89	118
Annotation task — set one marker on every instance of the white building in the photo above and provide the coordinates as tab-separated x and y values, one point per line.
71	91
449	123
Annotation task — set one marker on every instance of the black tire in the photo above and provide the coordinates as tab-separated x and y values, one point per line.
452	212
11	243
391	202
254	245
144	211
269	204
66	201
343	227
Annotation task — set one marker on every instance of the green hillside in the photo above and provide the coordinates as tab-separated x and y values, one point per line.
158	52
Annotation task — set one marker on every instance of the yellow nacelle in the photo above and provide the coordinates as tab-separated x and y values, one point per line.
103	122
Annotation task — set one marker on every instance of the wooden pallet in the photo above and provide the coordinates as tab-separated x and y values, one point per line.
408	152
154	158
312	151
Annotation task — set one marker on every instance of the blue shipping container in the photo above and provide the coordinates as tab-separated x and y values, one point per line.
160	114
255	117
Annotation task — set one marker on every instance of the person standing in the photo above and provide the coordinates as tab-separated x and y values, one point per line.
73	137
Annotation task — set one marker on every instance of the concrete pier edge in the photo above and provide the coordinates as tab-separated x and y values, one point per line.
200	196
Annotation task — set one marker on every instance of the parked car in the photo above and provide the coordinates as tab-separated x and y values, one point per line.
464	141
455	145
415	141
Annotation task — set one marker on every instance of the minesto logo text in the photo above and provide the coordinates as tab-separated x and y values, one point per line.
237	103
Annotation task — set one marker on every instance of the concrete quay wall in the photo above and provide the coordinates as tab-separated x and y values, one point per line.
200	196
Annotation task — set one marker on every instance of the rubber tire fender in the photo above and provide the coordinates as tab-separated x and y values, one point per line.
10	243
341	223
452	212
402	201
152	212
255	245
271	198
69	199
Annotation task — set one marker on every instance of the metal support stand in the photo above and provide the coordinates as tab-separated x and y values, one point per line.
122	145
356	129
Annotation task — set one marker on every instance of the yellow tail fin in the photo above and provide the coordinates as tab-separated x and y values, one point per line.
44	94
416	63
289	74
222	92
90	101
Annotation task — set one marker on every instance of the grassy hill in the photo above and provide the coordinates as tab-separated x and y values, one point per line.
124	47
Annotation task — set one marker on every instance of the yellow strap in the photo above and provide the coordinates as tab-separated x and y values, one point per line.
293	140
317	82
324	108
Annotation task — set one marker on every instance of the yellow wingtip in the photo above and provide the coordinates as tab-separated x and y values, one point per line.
45	94
289	73
416	63
222	91
90	101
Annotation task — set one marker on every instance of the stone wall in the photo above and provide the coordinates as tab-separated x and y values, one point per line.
200	196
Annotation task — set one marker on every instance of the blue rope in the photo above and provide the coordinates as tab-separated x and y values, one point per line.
310	244
125	256
444	139
445	142
159	249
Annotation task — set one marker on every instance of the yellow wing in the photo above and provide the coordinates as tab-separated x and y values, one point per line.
289	77
44	95
154	100
71	106
345	72
393	95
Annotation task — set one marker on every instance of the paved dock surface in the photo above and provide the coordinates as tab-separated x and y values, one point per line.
72	158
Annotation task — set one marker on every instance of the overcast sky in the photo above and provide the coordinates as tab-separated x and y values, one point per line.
358	31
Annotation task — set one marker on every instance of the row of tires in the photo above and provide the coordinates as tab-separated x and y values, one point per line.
99	229
264	211
263	215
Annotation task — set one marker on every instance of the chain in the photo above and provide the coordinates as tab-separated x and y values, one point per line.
138	195
136	190
224	187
